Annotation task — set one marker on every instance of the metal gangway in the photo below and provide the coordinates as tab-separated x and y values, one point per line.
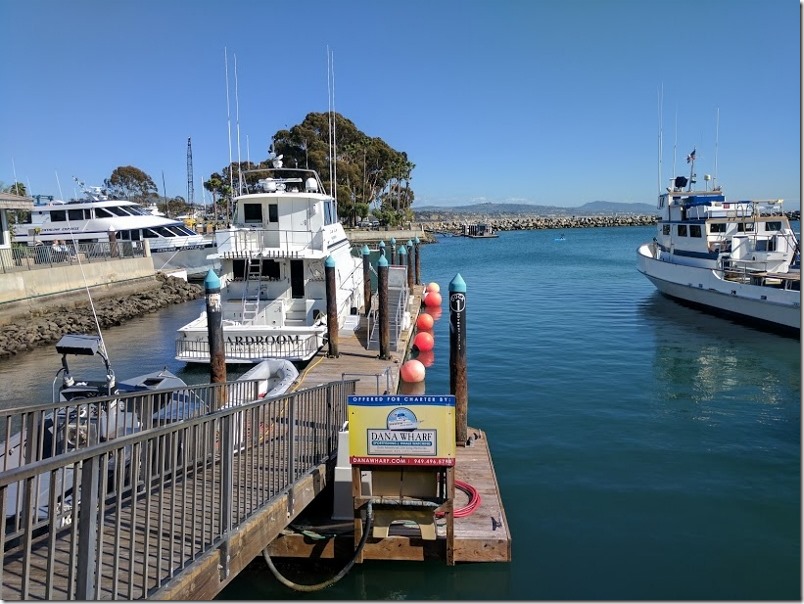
172	507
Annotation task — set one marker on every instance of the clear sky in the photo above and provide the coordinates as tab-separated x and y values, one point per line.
553	102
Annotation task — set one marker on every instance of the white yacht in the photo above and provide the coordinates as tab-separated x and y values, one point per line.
736	258
273	289
92	219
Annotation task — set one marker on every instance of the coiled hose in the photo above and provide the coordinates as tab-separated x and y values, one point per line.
340	575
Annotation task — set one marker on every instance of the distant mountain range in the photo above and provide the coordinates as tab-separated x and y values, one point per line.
594	208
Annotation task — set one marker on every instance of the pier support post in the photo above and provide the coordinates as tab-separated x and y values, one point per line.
418	278
403	253
410	265
217	352
366	280
382	294
393	251
332	307
457	355
381	247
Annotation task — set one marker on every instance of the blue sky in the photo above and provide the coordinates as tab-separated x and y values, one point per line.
553	102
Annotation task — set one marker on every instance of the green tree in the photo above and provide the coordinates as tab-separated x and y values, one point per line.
128	182
17	188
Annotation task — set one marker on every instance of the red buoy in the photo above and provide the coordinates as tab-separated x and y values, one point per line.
424	321
424	341
412	371
433	287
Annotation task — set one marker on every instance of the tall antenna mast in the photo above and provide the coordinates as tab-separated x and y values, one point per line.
717	129
229	128
329	110
237	118
659	174
190	192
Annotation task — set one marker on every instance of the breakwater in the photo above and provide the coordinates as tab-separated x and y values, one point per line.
530	223
27	331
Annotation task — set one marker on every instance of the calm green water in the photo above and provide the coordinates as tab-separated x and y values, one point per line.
643	450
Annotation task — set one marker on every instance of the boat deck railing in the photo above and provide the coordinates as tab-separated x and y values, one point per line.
269	243
124	518
34	257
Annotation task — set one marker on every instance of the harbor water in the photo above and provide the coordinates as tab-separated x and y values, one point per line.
643	449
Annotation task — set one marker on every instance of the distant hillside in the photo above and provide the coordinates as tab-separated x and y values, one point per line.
508	209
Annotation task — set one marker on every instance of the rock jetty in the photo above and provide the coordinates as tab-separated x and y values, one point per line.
26	332
529	223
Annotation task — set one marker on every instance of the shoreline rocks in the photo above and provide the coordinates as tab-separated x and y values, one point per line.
28	331
529	223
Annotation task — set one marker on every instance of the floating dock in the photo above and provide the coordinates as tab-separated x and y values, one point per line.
481	536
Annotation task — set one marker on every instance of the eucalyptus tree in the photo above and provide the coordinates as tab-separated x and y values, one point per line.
128	182
367	172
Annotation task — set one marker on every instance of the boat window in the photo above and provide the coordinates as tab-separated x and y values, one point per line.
58	216
76	214
682	230
761	245
717	227
103	213
773	226
273	212
330	216
665	229
695	230
270	269
252	213
118	211
742	227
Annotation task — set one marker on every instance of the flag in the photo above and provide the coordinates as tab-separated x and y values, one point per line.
691	156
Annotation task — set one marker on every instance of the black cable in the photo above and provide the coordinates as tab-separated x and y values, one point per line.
319	586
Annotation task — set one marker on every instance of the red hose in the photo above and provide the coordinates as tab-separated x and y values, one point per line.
469	508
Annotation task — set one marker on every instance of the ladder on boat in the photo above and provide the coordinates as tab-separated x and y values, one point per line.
251	293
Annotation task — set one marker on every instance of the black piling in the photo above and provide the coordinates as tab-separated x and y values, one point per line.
416	247
410	265
217	352
366	280
382	294
332	307
457	355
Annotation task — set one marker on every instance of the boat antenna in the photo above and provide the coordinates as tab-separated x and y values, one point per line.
333	168
691	162
717	133
229	128
660	94
58	182
237	120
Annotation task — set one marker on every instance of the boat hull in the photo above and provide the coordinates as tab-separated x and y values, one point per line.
705	288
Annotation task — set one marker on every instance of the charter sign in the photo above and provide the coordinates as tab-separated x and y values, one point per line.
402	430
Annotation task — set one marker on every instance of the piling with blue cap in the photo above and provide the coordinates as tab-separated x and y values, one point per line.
217	351
332	307
457	355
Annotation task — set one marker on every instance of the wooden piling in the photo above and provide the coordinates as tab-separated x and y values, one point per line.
217	352
410	265
457	355
366	280
418	263
382	295
332	307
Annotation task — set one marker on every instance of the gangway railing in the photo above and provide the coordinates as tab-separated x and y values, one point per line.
122	518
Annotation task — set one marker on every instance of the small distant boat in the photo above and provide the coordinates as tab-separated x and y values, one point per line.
561	238
736	258
479	230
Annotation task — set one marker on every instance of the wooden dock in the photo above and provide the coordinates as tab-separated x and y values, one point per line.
482	536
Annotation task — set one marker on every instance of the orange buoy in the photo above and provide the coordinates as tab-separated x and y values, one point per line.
433	287
424	341
412	371
432	299
424	321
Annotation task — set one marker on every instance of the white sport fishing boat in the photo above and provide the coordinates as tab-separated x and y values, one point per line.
91	220
735	258
273	289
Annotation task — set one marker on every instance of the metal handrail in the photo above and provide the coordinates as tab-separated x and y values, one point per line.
199	479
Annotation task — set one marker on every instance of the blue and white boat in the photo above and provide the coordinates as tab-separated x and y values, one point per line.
736	258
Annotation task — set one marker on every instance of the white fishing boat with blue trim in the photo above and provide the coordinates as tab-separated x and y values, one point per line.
735	258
